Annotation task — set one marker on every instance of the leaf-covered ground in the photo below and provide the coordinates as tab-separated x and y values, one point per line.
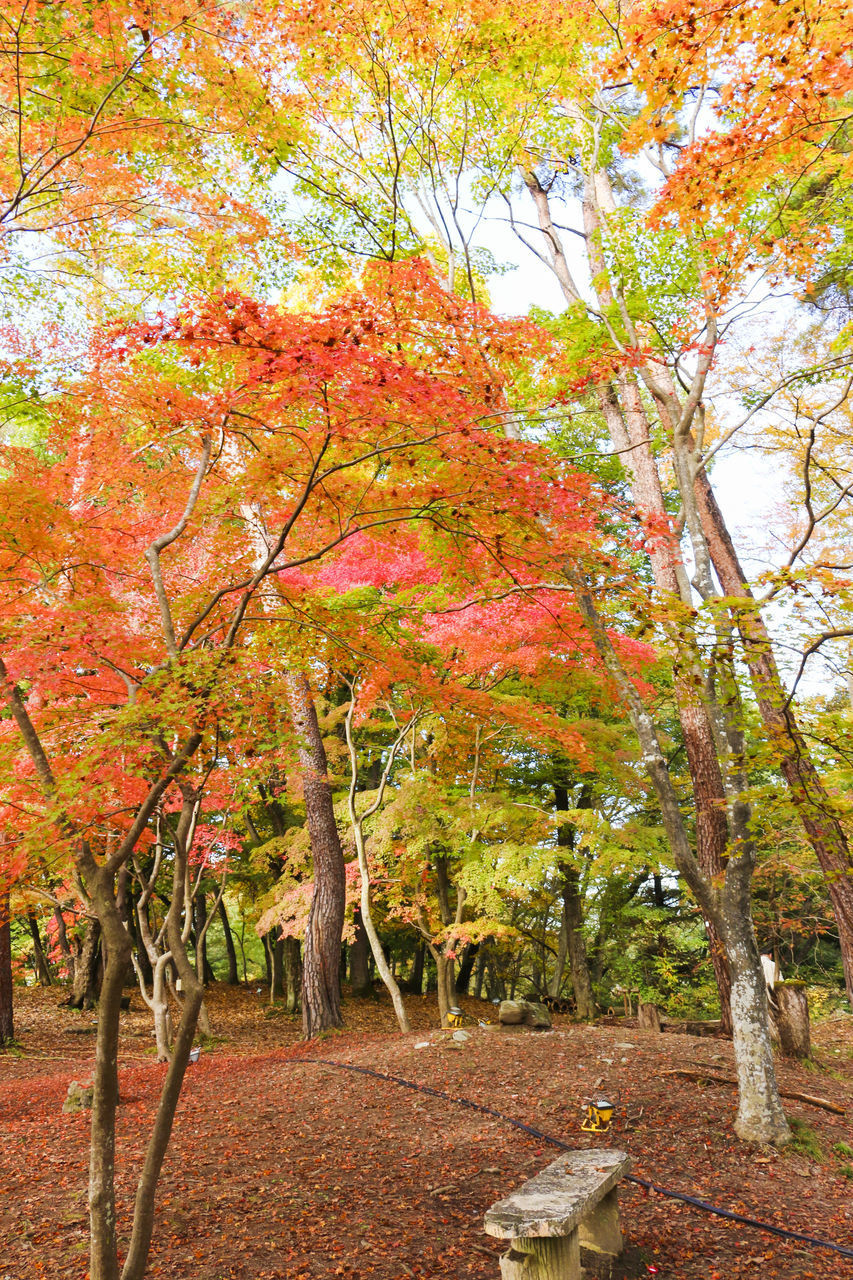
281	1167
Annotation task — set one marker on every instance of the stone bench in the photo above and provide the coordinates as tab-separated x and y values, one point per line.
572	1202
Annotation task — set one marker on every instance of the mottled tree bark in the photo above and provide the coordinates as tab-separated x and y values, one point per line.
321	990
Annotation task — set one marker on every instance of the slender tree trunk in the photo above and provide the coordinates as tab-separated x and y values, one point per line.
103	1258
136	1262
359	953
7	1021
321	988
233	973
725	901
42	967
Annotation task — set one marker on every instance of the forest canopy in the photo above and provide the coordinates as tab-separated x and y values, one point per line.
424	536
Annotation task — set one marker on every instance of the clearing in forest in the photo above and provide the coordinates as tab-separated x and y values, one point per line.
283	1168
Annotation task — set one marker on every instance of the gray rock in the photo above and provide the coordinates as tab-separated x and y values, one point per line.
461	1036
79	1097
511	1013
535	1015
422	1044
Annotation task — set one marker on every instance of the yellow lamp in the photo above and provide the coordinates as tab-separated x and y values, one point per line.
454	1017
599	1116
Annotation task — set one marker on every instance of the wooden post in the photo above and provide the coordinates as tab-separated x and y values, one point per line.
792	1019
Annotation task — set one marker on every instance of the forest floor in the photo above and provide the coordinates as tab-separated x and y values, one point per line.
281	1167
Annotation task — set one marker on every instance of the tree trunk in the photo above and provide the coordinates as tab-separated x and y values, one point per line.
85	989
359	955
7	1022
444	1001
416	977
233	973
466	967
62	938
571	943
292	974
203	970
818	813
321	987
42	968
277	992
479	975
630	432
760	1117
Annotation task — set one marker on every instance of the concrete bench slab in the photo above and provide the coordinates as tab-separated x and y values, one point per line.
572	1202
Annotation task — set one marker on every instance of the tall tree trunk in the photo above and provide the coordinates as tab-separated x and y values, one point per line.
416	977
725	901
445	1001
321	987
818	813
42	967
233	974
630	432
359	955
7	1021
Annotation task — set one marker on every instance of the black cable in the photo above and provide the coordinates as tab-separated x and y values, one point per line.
564	1146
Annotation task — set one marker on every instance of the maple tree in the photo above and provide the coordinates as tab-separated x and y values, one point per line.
305	427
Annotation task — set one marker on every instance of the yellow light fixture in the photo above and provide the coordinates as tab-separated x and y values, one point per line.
599	1116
